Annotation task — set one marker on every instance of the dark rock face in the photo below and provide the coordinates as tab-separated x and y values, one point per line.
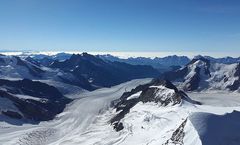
12	114
237	73
175	75
33	70
178	135
236	83
33	61
2	60
46	61
194	81
103	73
49	101
79	81
152	92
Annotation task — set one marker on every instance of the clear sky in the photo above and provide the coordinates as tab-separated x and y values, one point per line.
120	25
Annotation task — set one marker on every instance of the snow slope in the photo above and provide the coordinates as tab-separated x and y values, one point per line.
86	122
202	74
70	124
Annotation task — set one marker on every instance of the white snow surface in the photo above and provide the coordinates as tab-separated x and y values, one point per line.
86	121
133	96
70	125
221	76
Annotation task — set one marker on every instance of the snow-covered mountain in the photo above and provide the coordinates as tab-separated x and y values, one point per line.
144	111
83	70
158	113
202	74
161	92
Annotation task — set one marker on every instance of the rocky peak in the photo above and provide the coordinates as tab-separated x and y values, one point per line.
200	61
162	92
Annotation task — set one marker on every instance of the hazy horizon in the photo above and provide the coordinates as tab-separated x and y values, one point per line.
127	54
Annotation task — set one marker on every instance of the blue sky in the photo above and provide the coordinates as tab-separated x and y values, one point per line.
120	25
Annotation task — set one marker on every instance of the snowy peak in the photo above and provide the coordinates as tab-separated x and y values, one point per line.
202	74
201	63
160	92
198	71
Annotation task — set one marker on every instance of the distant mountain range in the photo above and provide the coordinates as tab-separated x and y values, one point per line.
100	73
20	73
35	88
24	89
168	62
162	64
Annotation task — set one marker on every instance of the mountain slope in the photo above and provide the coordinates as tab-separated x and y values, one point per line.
161	92
101	73
202	74
216	129
30	100
14	66
146	123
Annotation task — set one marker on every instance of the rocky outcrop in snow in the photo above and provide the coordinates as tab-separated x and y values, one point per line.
177	136
161	92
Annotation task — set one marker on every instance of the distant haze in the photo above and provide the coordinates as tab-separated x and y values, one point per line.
130	54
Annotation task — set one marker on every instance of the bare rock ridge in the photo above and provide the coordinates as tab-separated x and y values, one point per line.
162	92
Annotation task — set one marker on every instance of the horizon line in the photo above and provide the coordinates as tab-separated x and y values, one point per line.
128	54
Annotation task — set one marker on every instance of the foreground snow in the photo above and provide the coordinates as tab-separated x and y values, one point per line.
151	124
68	126
86	121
